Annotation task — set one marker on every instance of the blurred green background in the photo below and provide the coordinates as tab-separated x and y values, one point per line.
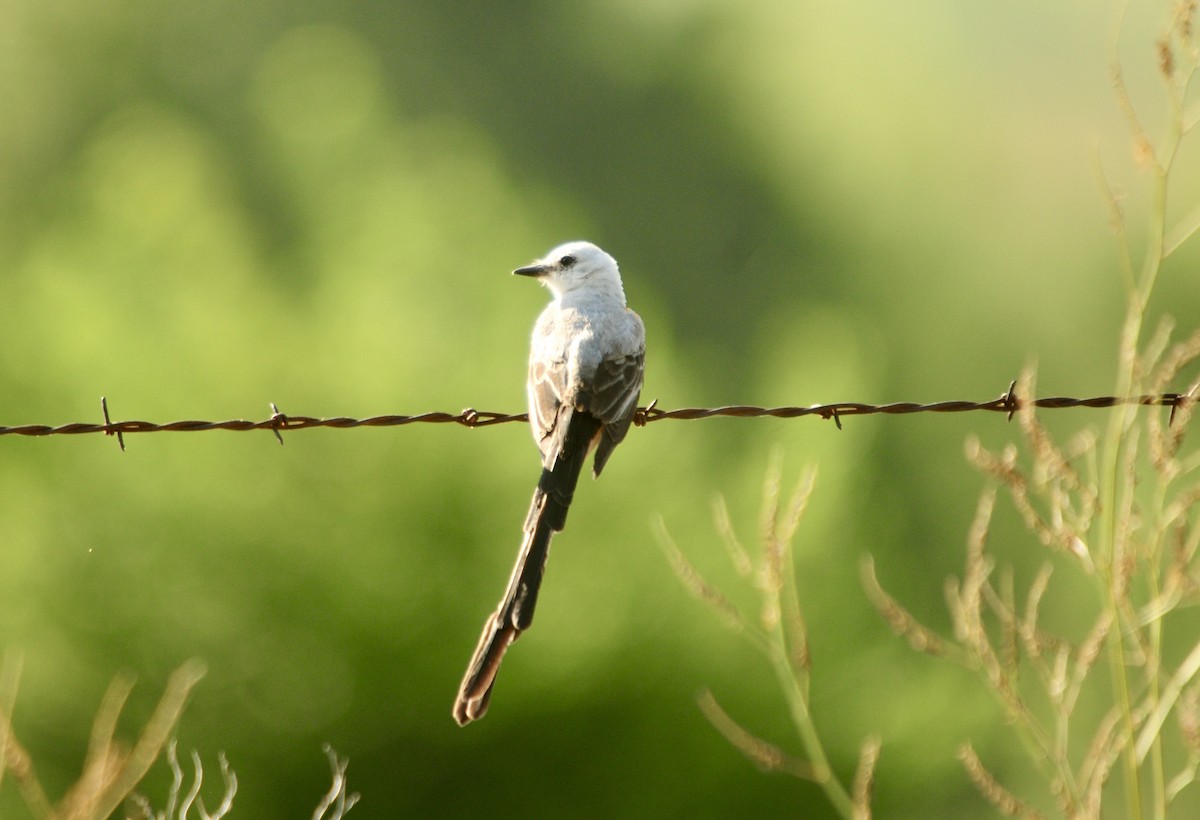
206	207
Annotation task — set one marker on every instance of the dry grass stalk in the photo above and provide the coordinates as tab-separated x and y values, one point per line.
780	634
111	770
990	788
767	756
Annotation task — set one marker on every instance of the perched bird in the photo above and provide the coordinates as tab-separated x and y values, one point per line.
585	374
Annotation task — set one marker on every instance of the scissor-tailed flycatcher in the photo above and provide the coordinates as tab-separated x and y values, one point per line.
585	374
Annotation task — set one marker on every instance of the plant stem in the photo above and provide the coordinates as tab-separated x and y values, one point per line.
789	682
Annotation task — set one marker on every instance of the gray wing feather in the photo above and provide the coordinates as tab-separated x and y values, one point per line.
547	386
615	391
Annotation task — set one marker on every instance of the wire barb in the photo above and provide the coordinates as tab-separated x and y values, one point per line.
1179	400
832	413
277	420
642	415
1011	402
1008	403
108	424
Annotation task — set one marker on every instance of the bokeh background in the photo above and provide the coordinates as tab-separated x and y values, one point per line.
206	207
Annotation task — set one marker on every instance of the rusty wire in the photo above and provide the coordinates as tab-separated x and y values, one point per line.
1008	403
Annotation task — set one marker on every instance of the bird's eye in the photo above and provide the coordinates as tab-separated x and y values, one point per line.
566	261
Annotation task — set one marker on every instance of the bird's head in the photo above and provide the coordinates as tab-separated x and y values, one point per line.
576	266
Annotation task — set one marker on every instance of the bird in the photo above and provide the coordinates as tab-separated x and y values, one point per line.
586	366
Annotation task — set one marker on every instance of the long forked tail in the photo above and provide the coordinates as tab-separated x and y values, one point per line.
547	515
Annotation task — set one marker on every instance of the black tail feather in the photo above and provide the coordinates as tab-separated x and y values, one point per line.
547	515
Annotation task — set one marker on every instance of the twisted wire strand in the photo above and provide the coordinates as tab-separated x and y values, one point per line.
1007	403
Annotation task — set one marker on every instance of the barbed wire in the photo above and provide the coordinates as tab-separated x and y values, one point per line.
1008	403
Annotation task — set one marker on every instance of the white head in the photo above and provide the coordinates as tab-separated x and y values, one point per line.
577	266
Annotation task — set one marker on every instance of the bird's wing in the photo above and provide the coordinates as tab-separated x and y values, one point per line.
614	396
615	388
547	386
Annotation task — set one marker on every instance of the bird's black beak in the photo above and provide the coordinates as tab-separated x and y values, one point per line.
532	270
